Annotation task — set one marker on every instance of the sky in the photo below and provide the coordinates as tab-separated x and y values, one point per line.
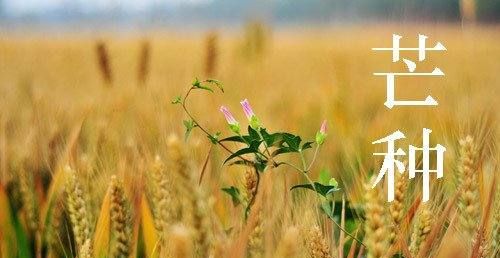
35	6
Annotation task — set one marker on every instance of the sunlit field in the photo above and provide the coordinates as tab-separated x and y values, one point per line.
94	161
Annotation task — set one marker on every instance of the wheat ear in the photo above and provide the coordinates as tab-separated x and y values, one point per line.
421	229
77	208
376	223
120	219
317	246
468	201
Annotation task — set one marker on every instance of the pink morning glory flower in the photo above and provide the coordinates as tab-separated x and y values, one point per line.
247	109
252	118
233	124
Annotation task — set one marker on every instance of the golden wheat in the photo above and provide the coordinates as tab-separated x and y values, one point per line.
468	184
86	250
421	229
144	63
163	206
30	204
77	209
211	54
120	219
317	247
103	60
376	223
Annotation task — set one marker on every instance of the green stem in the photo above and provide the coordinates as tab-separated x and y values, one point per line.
330	216
316	151
270	157
184	107
303	160
302	172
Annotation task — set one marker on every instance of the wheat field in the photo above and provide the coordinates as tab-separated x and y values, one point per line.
93	160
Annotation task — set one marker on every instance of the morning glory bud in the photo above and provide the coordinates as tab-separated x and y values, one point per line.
233	124
321	134
333	182
252	118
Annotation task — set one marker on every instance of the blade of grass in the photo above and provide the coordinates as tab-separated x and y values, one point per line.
148	228
482	228
101	235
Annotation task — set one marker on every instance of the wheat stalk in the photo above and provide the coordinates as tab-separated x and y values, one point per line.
421	229
468	202
211	54
195	208
250	185
144	60
103	61
86	250
77	208
120	219
396	207
317	246
376	223
162	195
30	204
255	240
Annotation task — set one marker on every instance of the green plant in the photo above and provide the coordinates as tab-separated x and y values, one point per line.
262	150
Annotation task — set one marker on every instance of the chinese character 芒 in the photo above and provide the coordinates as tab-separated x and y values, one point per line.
390	76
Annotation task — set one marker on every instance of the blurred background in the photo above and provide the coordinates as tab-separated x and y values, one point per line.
130	14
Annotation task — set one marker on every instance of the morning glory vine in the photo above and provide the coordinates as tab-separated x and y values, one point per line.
261	149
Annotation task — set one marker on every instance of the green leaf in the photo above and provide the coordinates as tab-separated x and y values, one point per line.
205	88
254	135
189	125
241	162
271	139
321	189
216	83
237	138
177	100
197	85
282	150
255	145
306	145
234	193
239	153
293	141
